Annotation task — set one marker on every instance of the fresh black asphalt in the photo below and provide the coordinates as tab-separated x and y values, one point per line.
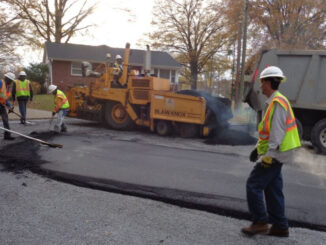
190	178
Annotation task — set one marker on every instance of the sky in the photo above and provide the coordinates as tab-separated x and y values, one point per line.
114	25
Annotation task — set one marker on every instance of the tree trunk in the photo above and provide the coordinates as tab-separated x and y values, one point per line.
194	75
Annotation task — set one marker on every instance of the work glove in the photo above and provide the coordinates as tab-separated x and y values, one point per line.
53	113
267	162
253	155
11	109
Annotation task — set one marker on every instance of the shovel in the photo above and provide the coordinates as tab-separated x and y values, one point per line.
34	139
50	122
28	122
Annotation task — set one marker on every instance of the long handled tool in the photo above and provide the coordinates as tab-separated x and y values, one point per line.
50	122
21	117
32	138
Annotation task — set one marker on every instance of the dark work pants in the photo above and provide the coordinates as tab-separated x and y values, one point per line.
4	116
267	181
22	109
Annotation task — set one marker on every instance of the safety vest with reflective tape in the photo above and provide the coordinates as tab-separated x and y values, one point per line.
291	138
22	88
62	96
4	94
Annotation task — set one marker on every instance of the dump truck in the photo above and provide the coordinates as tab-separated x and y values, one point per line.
305	88
126	100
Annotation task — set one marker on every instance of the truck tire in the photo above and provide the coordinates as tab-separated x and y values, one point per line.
318	136
116	116
300	128
188	130
163	127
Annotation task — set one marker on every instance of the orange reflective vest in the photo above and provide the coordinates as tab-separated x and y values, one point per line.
291	138
61	96
4	94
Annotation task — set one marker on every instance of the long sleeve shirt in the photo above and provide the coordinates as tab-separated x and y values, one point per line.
277	132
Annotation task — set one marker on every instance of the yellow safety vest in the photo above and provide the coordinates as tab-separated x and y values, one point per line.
22	88
291	138
62	96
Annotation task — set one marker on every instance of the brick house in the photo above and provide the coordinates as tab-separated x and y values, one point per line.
64	62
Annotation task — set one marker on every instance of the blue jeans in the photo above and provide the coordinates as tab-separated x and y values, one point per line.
59	124
267	181
22	109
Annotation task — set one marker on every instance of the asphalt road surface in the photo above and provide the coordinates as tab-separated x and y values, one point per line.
38	210
184	172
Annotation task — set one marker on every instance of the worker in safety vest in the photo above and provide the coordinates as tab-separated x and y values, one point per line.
118	62
4	102
278	137
118	69
22	89
61	108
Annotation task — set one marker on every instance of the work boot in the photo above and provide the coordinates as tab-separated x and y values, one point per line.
8	137
255	228
276	231
63	128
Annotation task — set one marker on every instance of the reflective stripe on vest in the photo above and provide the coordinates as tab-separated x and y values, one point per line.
4	94
291	138
62	96
22	88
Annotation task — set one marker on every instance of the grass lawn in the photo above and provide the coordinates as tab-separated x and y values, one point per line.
42	102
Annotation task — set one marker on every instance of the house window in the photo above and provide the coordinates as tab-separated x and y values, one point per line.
173	76
156	72
165	73
76	69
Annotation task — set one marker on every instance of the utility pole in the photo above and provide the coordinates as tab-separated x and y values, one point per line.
244	49
237	76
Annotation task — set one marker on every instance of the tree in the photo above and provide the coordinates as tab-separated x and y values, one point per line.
291	24
51	20
9	30
191	29
215	70
38	72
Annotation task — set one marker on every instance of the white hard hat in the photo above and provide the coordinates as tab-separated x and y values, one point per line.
272	71
22	73
11	76
51	88
118	57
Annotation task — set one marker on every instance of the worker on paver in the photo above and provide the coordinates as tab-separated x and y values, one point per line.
118	62
22	89
4	102
278	137
118	69
61	107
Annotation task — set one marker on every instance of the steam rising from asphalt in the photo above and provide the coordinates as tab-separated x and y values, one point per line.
310	162
219	109
218	115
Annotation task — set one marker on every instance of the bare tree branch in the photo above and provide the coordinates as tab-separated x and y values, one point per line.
191	29
56	20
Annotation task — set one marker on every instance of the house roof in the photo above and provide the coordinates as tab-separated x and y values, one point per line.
97	54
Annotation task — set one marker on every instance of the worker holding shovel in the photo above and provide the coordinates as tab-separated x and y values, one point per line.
61	108
4	102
